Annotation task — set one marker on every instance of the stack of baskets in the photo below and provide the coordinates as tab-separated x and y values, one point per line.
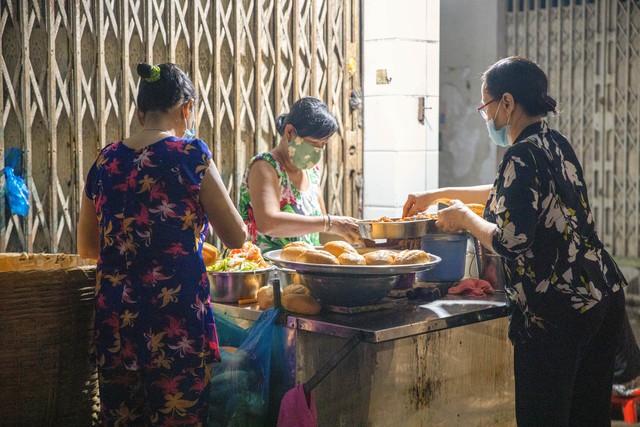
46	322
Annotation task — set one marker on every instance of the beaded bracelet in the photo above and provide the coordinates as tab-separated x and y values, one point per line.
330	223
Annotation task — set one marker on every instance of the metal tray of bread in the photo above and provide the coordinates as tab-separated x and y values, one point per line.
301	267
396	228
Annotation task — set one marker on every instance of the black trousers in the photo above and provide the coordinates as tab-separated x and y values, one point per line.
564	376
627	365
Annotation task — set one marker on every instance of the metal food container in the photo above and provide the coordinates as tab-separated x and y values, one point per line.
349	291
491	268
289	277
350	270
350	285
234	286
396	228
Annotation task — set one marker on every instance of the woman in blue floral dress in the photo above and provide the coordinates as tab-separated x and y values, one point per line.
280	197
147	206
567	302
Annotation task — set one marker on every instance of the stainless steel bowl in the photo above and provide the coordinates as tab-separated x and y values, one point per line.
350	270
351	290
396	229
232	287
491	268
288	277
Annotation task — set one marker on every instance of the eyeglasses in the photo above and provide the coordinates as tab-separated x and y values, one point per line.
482	107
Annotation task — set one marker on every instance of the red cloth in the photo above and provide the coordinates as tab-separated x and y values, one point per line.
294	411
472	287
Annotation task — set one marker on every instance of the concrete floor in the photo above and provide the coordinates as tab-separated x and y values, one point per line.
619	423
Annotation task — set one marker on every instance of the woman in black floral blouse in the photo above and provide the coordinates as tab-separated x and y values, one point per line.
566	290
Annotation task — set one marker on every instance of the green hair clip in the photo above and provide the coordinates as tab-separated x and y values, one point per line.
155	74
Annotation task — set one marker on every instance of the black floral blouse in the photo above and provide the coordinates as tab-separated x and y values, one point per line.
556	266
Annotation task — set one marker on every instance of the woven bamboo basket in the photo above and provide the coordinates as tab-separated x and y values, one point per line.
46	323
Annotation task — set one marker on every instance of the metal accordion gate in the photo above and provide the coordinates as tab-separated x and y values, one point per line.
68	85
590	50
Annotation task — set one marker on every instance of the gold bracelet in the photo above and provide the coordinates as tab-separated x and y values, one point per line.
324	223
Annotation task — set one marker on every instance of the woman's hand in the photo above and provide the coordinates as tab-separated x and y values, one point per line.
455	218
345	226
88	230
458	217
418	202
220	210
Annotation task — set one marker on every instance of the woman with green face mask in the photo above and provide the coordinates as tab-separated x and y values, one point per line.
280	197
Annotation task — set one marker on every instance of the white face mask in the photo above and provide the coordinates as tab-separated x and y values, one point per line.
499	137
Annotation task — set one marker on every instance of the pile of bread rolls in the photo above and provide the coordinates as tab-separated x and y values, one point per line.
298	299
342	253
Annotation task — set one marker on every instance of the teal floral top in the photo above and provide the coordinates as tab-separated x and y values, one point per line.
292	200
557	268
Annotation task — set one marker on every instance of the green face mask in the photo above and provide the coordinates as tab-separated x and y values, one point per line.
302	154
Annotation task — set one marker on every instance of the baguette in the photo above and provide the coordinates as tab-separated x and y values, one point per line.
381	257
349	258
338	247
296	289
318	257
265	297
300	303
293	253
414	256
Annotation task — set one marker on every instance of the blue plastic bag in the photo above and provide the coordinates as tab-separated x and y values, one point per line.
229	334
16	190
240	384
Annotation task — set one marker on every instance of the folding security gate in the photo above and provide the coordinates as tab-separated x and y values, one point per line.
68	85
591	52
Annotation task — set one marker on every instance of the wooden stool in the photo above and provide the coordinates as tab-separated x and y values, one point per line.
628	405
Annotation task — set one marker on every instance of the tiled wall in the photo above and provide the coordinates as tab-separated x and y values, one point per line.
400	153
468	156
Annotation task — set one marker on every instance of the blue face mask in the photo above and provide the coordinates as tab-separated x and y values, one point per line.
499	137
189	133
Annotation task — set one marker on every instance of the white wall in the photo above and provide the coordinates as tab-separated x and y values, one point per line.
471	39
400	153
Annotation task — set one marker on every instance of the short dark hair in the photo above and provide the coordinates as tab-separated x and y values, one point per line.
310	117
524	80
173	87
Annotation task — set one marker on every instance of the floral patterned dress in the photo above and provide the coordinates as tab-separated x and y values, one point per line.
556	266
292	200
152	295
